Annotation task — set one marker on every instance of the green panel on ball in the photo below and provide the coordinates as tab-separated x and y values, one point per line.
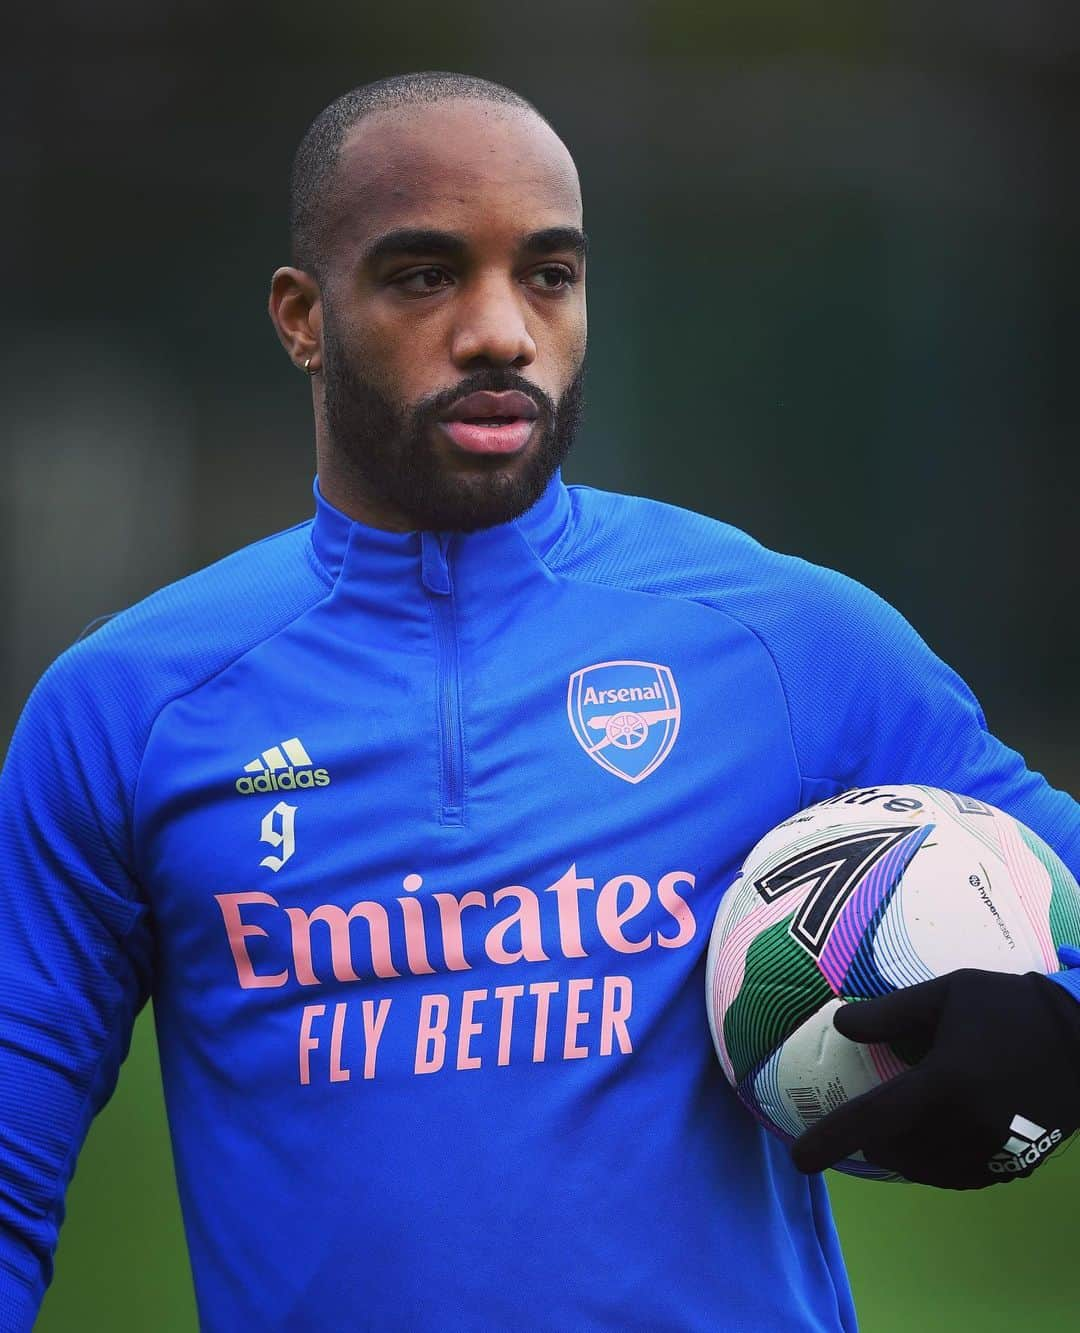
1064	898
781	988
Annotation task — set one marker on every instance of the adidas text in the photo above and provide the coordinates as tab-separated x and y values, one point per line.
1021	1152
287	779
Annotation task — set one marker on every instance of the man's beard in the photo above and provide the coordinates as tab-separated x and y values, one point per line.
392	452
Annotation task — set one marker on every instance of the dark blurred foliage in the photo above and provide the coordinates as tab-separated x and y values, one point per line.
832	290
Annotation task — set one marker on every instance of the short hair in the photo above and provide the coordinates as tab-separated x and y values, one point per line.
316	158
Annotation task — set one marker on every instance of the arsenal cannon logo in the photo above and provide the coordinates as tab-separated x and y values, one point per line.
625	715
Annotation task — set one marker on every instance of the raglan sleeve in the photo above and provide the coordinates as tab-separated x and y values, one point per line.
75	962
871	704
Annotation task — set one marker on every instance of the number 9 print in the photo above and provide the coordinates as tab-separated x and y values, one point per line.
279	830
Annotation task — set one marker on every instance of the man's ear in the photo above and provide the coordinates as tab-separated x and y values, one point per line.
296	313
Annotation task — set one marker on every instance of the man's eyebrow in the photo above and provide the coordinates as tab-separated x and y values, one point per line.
415	241
551	239
405	241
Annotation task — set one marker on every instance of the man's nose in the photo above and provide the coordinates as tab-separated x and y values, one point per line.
491	327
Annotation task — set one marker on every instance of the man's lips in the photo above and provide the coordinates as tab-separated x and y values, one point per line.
510	403
491	423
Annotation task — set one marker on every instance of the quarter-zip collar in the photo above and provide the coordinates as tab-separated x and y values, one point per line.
344	545
444	592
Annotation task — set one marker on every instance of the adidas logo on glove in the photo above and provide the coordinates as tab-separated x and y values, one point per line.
1027	1143
284	767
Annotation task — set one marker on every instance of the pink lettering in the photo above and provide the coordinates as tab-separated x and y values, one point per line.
617	1003
543	990
431	1034
337	919
308	1043
527	919
610	919
450	910
337	1074
678	907
575	1018
415	938
566	892
469	1029
374	1022
237	931
507	995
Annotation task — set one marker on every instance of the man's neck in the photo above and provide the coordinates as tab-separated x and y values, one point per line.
347	493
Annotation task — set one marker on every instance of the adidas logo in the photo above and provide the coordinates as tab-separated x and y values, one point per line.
284	767
1024	1146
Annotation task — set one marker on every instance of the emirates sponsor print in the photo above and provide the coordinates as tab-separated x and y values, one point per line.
625	715
527	1019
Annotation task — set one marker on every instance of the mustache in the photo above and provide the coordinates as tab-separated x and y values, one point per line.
490	381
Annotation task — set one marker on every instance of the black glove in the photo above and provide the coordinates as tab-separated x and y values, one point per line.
997	1086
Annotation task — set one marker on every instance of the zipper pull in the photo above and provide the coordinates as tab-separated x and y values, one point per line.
434	566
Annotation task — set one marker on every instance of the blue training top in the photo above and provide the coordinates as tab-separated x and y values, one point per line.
416	839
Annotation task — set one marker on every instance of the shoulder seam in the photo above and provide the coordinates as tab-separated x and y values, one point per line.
738	620
310	554
312	557
192	689
803	777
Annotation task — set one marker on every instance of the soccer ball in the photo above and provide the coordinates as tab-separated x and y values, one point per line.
852	898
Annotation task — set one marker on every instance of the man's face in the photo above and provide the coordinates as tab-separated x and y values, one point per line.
455	267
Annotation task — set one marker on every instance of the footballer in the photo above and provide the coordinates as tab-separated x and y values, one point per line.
413	820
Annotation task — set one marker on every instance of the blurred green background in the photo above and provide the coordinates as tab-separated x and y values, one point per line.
833	291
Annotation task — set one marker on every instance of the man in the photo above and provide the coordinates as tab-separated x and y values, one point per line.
414	818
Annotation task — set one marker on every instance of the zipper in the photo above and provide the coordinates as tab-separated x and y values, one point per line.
437	580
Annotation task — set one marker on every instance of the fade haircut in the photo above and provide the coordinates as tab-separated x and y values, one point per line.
316	158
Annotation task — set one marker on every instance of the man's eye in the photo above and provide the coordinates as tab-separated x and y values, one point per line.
554	277
422	280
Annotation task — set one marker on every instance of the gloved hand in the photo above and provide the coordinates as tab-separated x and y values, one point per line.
996	1090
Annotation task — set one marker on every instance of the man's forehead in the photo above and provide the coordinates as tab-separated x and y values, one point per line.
432	162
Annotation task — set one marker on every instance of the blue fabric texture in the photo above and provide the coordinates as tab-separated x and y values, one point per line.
416	840
1070	981
1070	978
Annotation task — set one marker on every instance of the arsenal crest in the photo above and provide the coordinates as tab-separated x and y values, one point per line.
625	715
